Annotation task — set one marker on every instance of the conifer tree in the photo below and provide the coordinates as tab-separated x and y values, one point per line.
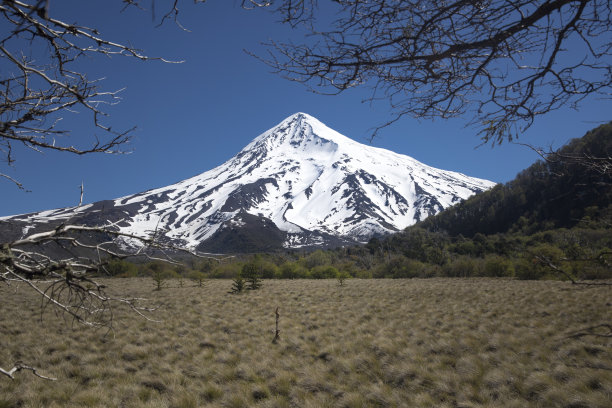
251	273
238	285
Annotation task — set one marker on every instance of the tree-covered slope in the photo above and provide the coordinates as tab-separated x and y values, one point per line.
549	194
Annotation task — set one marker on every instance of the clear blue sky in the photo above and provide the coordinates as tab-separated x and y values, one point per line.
194	116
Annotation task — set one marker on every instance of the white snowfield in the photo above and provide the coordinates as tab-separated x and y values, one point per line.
303	176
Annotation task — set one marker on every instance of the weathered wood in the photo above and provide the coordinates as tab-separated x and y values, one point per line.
277	332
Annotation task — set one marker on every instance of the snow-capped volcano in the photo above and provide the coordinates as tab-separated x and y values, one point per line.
297	184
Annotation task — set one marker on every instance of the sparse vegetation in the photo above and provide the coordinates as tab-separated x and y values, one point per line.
393	343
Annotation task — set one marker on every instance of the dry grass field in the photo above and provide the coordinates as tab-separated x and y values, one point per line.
369	343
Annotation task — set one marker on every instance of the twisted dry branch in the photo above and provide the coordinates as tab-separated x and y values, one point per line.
68	285
18	366
41	85
599	164
504	62
600	330
555	267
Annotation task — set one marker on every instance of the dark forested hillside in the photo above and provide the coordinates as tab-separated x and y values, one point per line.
554	194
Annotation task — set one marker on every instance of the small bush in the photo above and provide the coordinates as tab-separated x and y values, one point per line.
121	268
536	266
226	271
461	267
342	276
528	269
323	272
399	267
317	258
291	270
160	277
197	277
497	266
268	270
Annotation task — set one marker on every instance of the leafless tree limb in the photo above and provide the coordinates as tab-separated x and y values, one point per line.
40	89
601	330
68	285
554	266
249	4
20	366
504	61
81	197
598	164
17	183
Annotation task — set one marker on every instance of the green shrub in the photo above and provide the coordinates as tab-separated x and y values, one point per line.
268	270
160	273
497	266
399	267
323	272
342	276
527	269
159	277
363	274
121	268
292	270
197	277
226	271
316	258
460	267
207	265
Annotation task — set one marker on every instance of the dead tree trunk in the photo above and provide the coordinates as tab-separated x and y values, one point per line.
277	332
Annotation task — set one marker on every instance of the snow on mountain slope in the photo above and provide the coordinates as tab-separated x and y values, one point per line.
304	179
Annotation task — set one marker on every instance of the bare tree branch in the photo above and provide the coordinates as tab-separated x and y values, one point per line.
504	62
68	284
18	184
249	4
20	366
598	164
555	267
39	92
595	331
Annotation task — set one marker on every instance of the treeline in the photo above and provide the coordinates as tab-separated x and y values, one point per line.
315	265
578	253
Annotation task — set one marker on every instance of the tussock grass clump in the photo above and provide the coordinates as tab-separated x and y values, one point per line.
368	343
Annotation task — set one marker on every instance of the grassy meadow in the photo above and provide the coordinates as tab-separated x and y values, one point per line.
368	343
